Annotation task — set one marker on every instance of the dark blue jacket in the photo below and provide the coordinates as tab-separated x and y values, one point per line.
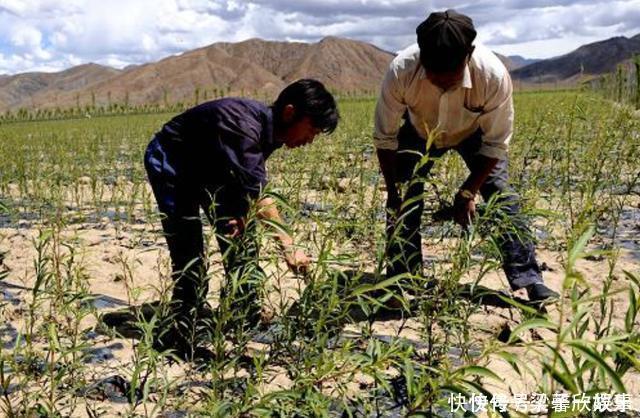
222	142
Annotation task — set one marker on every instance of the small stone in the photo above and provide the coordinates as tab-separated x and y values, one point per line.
343	185
505	333
594	257
325	183
13	189
545	267
114	388
173	414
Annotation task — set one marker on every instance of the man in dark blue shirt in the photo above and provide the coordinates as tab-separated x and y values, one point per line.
213	157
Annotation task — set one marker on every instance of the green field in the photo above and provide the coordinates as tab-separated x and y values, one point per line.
335	348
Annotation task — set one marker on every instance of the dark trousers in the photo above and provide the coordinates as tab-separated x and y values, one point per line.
180	199
404	249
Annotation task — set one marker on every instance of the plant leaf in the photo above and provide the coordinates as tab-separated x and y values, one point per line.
596	358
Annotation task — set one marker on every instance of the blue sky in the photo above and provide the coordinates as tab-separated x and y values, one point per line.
51	35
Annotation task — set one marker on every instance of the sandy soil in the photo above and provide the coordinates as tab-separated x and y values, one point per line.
129	265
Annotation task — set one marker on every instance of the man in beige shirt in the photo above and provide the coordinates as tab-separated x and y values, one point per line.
460	96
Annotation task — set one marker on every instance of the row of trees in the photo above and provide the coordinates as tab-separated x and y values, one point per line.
623	85
91	106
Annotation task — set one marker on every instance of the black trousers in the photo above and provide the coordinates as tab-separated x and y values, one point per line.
404	248
180	200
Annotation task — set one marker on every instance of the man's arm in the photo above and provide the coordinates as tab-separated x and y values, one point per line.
296	258
389	109
479	173
496	120
387	160
497	126
464	205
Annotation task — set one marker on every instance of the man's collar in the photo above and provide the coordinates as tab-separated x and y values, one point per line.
269	130
422	73
466	78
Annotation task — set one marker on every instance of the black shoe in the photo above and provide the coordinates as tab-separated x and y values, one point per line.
174	346
173	339
169	340
538	292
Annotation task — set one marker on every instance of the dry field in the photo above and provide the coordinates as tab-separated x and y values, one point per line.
80	238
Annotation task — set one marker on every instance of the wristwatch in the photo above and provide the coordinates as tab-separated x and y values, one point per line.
466	194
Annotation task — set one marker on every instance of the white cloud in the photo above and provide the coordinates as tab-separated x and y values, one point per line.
15	7
26	38
37	34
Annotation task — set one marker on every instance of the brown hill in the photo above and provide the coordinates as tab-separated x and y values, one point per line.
513	62
505	60
344	65
591	59
178	78
254	67
280	58
261	68
23	90
518	62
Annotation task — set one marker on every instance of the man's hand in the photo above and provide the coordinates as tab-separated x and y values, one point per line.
297	260
235	227
464	209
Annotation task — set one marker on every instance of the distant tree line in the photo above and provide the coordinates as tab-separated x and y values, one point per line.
623	85
91	108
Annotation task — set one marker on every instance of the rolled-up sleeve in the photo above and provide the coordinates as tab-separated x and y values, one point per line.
389	110
496	121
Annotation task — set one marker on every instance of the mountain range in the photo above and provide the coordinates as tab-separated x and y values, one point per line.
261	68
588	60
254	67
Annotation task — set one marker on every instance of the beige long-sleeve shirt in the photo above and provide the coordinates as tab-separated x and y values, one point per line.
482	100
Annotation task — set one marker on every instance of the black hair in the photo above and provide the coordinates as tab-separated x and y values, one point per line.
309	98
445	40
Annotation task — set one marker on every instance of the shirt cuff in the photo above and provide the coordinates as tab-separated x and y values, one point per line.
389	143
493	151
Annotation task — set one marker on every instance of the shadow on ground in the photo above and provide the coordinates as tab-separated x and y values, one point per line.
363	301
